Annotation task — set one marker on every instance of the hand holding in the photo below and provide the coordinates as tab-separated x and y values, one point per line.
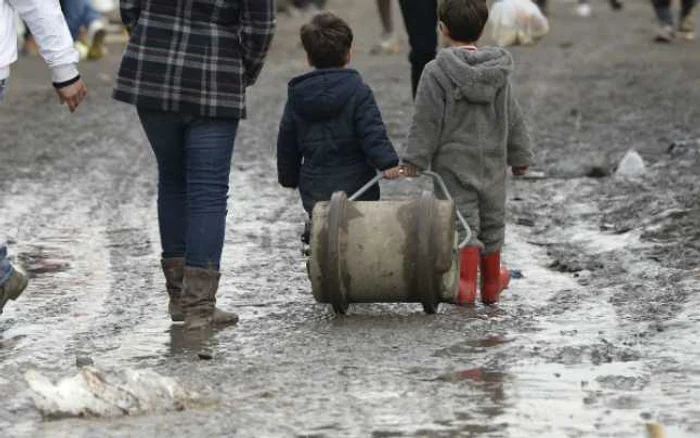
393	173
409	171
72	94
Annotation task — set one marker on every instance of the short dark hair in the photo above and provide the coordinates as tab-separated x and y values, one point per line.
465	19
327	40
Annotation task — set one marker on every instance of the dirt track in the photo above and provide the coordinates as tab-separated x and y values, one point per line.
599	338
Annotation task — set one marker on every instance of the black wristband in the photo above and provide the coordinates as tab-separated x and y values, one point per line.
58	85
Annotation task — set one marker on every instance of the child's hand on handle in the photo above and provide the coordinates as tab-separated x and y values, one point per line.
403	170
393	173
409	171
519	170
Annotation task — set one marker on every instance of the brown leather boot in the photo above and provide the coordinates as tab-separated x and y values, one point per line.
173	269
199	300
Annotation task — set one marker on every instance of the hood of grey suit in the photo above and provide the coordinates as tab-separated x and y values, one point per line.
475	76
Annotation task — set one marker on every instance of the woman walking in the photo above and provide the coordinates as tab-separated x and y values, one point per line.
186	69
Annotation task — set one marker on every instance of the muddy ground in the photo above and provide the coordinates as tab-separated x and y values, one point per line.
599	338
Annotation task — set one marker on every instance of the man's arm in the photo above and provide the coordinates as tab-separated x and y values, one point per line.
257	29
49	28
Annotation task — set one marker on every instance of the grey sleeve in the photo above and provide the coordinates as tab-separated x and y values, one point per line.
519	144
426	127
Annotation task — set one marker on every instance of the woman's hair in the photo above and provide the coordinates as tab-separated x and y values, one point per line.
465	19
327	40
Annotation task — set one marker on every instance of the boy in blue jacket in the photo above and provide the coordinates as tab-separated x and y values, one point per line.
332	136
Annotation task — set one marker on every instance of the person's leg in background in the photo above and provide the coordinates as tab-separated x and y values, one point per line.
665	32
686	28
166	133
616	4
388	42
208	150
420	18
80	14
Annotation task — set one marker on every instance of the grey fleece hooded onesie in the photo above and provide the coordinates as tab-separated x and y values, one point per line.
468	127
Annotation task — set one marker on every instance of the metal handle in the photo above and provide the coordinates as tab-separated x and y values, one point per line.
443	187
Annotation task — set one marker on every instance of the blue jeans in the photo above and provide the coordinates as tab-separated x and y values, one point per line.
194	162
3	86
663	10
5	266
78	13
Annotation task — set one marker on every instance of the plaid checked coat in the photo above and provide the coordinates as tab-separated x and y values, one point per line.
193	57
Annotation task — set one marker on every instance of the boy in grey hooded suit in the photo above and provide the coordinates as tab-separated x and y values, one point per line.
468	127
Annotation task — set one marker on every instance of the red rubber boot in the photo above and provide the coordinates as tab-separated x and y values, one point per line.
468	267
494	278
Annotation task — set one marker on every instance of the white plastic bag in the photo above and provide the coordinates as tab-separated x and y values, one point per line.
104	6
517	22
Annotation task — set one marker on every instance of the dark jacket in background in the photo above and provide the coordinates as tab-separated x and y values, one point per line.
331	137
193	57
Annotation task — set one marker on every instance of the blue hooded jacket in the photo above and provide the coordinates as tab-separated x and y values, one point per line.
331	137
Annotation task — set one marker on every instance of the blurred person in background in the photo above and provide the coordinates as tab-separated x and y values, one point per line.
294	7
50	31
420	18
686	23
388	43
81	17
86	25
583	7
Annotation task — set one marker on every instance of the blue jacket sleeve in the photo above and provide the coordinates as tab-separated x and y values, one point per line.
288	154
372	131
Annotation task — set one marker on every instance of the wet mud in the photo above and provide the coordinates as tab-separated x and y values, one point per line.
598	338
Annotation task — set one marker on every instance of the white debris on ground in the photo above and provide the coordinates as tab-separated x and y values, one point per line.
93	393
631	165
